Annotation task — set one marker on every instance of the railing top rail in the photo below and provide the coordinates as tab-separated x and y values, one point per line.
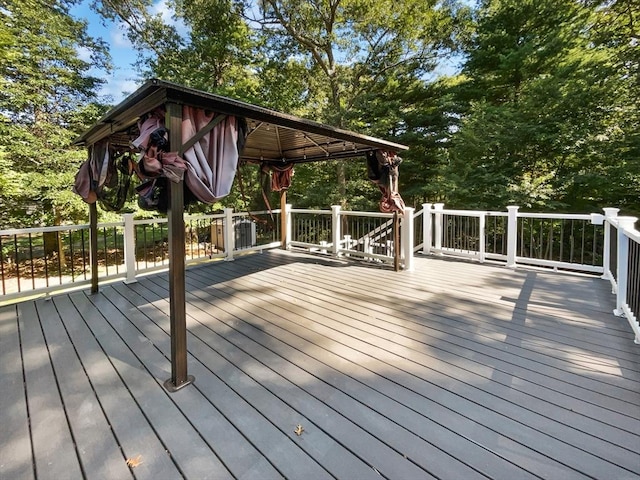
366	214
208	216
462	213
261	212
58	228
556	216
311	212
149	221
633	234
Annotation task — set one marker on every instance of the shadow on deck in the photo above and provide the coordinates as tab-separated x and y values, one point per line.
311	368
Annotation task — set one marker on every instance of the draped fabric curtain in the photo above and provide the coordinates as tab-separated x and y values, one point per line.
213	160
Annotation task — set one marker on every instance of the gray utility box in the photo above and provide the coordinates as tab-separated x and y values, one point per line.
244	235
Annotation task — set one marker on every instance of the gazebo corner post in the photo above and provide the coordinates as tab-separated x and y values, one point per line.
93	245
176	232
285	221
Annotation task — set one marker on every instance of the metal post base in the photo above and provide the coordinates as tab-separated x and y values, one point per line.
171	388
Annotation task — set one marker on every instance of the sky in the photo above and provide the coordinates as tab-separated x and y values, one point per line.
123	79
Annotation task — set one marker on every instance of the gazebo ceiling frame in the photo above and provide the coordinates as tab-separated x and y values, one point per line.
273	137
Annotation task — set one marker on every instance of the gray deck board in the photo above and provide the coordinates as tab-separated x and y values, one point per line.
15	440
100	455
127	420
455	370
53	444
143	369
500	423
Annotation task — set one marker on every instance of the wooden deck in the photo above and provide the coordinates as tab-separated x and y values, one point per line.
454	371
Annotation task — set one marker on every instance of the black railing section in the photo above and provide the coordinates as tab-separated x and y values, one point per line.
259	228
633	278
311	228
613	252
373	235
461	233
151	245
496	234
418	229
204	238
50	258
561	240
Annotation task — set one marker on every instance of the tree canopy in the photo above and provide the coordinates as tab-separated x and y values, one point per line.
46	100
540	109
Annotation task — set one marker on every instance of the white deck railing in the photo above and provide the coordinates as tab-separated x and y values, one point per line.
40	260
603	244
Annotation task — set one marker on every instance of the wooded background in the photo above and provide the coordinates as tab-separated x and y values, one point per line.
540	110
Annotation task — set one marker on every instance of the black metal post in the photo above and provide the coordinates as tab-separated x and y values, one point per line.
396	242
177	297
283	219
93	246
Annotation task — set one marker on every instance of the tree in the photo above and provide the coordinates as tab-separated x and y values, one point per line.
44	82
540	105
362	54
327	60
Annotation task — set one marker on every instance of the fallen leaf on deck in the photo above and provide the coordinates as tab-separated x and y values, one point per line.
299	429
134	462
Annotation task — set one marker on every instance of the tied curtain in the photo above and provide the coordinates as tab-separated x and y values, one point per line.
213	159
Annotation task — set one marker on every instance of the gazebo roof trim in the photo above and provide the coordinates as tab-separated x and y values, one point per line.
273	136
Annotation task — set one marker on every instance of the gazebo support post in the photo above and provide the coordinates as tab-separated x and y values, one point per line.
283	219
177	296
93	246
396	242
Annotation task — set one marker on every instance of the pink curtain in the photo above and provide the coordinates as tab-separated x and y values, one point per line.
213	160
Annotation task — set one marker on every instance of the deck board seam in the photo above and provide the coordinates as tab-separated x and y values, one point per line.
158	279
523	368
26	395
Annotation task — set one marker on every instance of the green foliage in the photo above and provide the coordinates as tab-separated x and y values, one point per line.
44	92
546	115
543	114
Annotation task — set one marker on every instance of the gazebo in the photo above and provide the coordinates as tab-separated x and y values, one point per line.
272	139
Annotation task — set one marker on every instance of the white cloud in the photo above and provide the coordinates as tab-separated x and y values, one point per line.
84	54
118	36
117	88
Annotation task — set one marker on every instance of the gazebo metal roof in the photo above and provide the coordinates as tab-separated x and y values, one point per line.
273	136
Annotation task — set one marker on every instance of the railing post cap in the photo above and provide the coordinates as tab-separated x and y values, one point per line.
610	212
427	206
513	207
438	206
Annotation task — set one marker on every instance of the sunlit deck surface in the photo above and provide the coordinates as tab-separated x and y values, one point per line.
454	371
